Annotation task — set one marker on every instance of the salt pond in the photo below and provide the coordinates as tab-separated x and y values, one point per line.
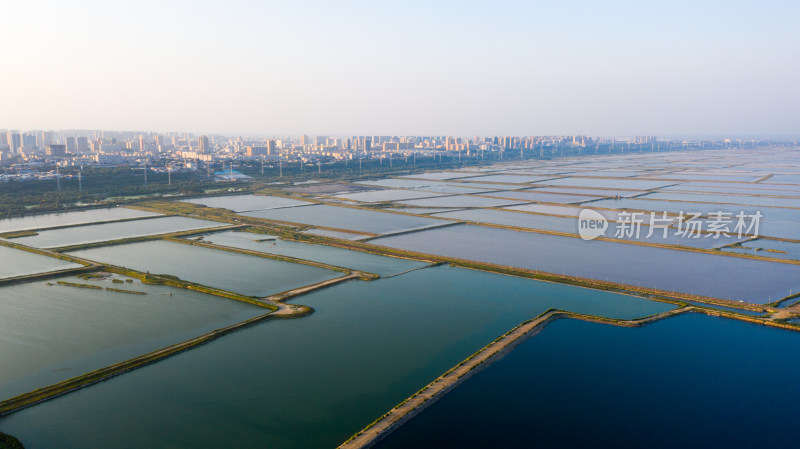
616	387
359	220
51	332
357	260
310	382
112	231
240	273
70	218
241	203
14	262
704	274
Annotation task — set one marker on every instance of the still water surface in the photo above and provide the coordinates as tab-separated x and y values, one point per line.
314	381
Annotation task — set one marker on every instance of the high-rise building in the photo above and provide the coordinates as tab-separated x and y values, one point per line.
44	139
71	145
83	144
28	141
257	150
203	146
56	150
14	141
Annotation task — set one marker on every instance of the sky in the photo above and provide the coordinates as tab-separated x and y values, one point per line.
598	68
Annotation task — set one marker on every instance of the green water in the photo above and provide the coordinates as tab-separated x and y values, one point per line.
51	332
14	262
309	382
240	273
356	260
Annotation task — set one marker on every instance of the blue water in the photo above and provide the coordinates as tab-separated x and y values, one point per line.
734	278
768	248
359	220
725	199
689	381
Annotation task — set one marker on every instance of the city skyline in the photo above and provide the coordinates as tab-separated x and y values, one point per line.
355	68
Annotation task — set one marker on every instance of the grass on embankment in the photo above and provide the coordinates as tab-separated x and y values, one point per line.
9	442
174	281
77	285
17	234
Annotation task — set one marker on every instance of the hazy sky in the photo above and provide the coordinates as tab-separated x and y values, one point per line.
403	67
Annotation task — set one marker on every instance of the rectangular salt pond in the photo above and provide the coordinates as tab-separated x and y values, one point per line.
784	179
532	221
461	188
571	211
336	234
622	183
240	273
386	195
542	197
461	201
704	177
769	213
726	199
242	203
589	191
731	190
738	279
441	175
570	225
311	382
768	248
14	262
754	187
428	186
776	222
51	332
113	231
602	384
356	260
359	220
70	218
422	210
509	178
487	187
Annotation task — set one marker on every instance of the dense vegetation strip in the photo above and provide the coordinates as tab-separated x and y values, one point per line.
9	442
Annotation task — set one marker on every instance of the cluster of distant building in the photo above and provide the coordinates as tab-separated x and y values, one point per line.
186	151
